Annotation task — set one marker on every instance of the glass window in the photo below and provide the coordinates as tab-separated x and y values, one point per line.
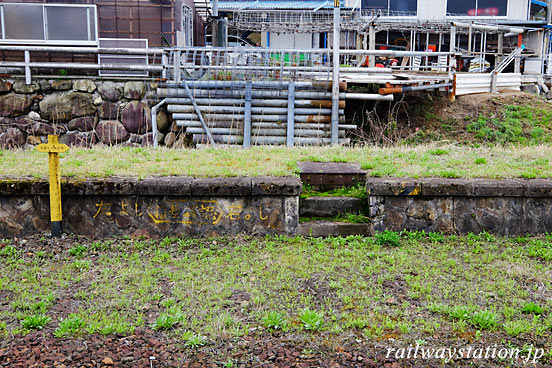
23	22
188	25
375	4
482	8
43	23
492	7
461	7
403	5
65	23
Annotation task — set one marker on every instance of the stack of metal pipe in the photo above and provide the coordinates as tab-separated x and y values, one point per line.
223	107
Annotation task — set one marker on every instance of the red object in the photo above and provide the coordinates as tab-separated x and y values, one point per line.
493	12
378	65
432	47
383	47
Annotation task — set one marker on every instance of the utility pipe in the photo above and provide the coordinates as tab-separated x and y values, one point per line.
265	125
232	139
324	86
154	121
257	103
263	118
267	94
265	132
129	67
199	115
386	91
85	50
254	110
481	27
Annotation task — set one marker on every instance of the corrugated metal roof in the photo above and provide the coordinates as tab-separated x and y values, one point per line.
275	4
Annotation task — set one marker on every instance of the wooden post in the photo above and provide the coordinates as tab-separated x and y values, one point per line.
53	147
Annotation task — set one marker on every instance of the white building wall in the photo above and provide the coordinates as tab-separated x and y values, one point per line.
437	10
432	9
518	9
290	40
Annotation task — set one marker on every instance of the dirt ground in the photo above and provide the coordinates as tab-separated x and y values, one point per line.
146	347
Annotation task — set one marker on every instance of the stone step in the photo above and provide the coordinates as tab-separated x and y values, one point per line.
331	206
320	229
324	176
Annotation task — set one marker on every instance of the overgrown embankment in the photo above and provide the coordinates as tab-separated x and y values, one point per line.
507	118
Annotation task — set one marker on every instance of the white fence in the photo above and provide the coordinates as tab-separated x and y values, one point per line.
470	83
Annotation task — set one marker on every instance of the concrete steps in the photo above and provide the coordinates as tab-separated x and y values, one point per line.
324	176
331	206
333	215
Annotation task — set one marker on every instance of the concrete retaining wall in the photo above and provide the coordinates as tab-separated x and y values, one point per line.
158	207
503	207
154	207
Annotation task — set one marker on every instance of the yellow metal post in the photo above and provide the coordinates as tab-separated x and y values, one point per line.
53	147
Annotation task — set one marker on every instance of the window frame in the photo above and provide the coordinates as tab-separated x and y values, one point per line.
189	14
466	16
414	13
45	40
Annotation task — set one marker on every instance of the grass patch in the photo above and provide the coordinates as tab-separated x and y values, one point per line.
409	286
357	191
400	161
350	218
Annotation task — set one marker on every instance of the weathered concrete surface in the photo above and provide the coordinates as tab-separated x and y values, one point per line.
331	206
328	175
153	207
503	207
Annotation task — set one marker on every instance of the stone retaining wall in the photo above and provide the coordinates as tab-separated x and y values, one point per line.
155	207
169	206
503	207
83	112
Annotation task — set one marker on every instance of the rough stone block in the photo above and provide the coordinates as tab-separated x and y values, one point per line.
235	186
287	186
397	187
499	188
12	105
447	187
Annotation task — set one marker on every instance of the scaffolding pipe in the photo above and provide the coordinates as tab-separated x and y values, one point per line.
386	91
233	139
199	115
396	53
125	67
257	103
154	121
85	50
254	110
291	115
247	117
267	94
263	118
368	97
239	124
323	86
335	72
482	27
257	132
